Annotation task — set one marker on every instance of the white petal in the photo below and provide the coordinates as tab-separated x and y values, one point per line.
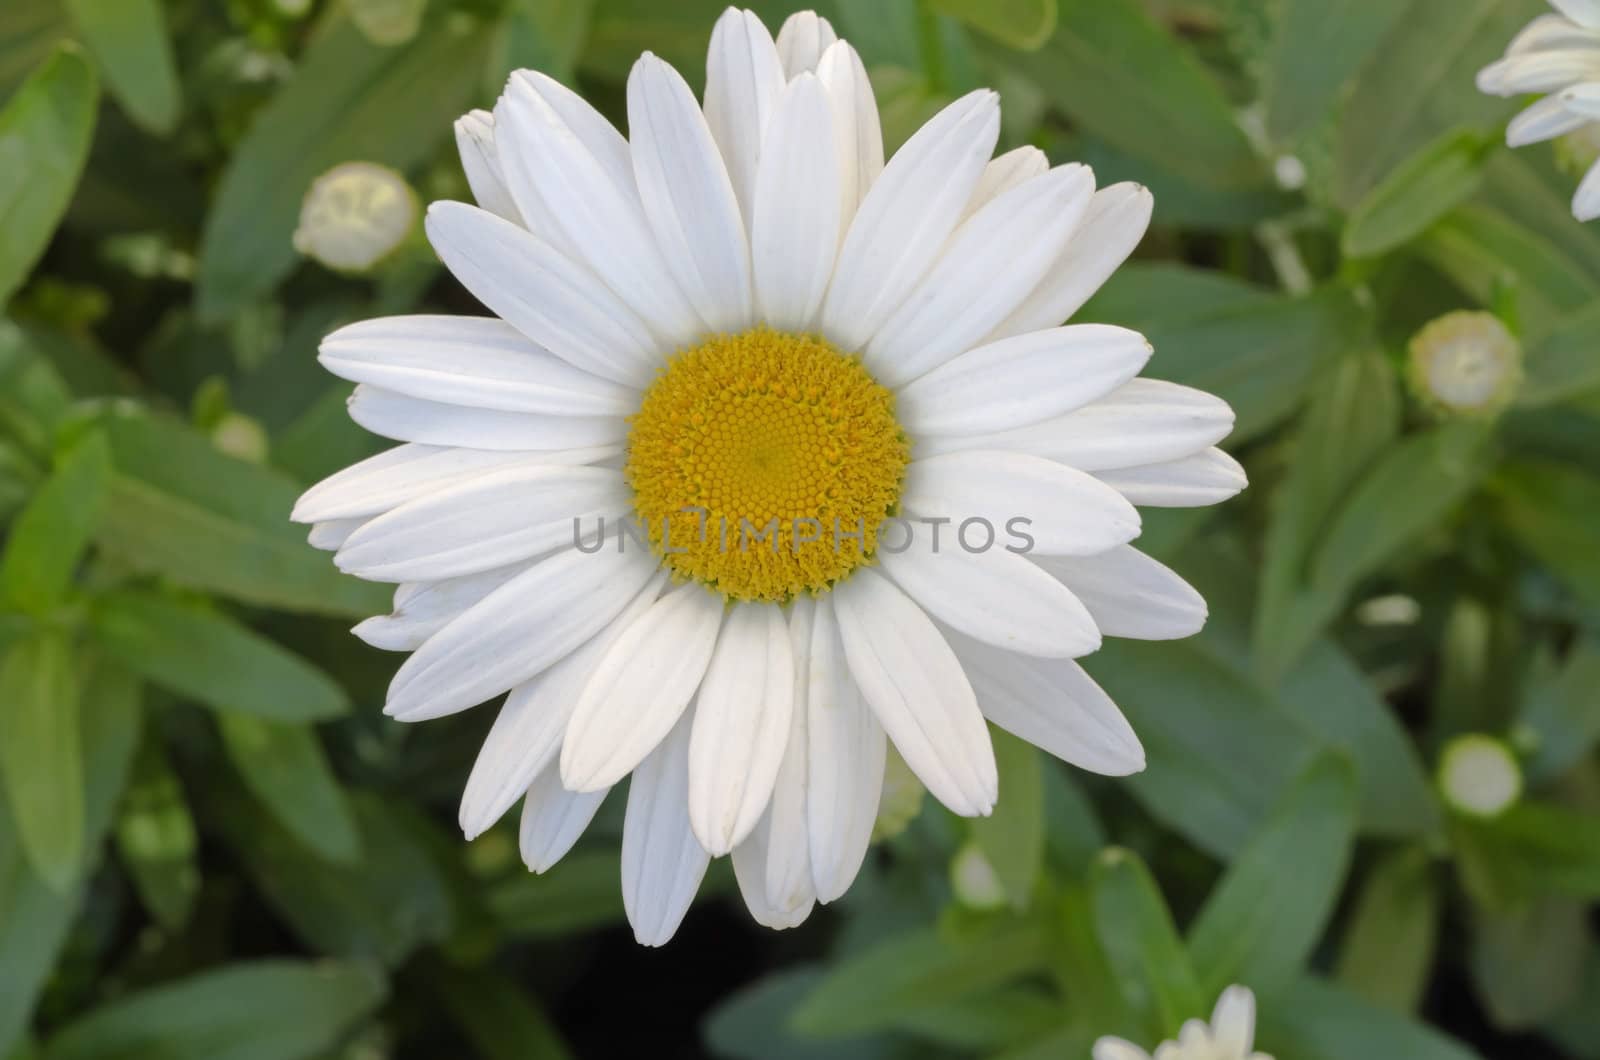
479	362
906	217
332	534
542	293
858	136
405	472
1208	477
802	39
743	78
410	419
786	881
517	631
1540	71
741	726
750	861
662	862
1233	1021
491	520
481	163
990	265
1585	13
643	684
597	212
1549	32
422	609
1144	421
845	760
915	686
1022	380
1007	171
687	196
553	818
795	231
1113	225
1544	120
1032	503
1109	1048
1131	595
527	733
1581	100
996	596
1052	704
1586	203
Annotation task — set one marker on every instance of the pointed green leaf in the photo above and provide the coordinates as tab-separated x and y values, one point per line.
1549	508
283	765
1316	49
49	536
128	38
1024	24
1387	951
1423	189
1012	838
157	841
1315	1020
41	754
1149	963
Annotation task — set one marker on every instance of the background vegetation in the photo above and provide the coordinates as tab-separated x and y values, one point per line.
213	847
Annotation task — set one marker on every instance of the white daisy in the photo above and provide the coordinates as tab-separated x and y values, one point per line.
1559	56
1229	1036
741	309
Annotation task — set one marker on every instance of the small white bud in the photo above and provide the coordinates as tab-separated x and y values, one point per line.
355	215
1479	775
974	881
1466	362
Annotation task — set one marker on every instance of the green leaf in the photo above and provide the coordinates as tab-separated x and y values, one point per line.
1024	24
41	754
1316	49
1417	193
29	32
211	658
878	988
1387	950
1268	910
1562	712
283	765
750	1023
582	896
1541	848
1528	963
1314	1020
350	99
1549	508
45	131
263	1010
128	38
1562	365
496	1016
543	35
181	509
1148	960
49	536
1012	838
156	838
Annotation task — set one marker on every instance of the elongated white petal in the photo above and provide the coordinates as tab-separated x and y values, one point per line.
332	534
1540	71
406	472
687	196
481	163
1053	705
410	419
479	362
1131	595
1551	32
643	684
1545	120
1585	13
1144	421
741	726
1109	1047
1208	477
598	214
1580	100
422	609
915	686
743	78
1022	380
858	135
786	882
553	818
1010	170
990	265
906	217
1031	503
750	861
996	596
796	223
517	631
527	733
1586	203
802	39
488	521
1233	1020
846	749
544	294
1112	226
662	862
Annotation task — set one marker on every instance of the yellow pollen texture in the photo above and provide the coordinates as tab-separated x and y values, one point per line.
763	463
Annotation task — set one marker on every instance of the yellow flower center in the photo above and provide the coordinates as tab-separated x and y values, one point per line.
763	463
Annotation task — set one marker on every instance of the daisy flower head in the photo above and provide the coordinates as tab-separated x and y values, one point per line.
1557	56
772	456
1229	1036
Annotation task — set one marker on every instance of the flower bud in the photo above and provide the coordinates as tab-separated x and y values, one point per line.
355	215
1466	363
1479	775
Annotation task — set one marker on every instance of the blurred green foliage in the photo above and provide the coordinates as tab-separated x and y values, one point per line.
213	848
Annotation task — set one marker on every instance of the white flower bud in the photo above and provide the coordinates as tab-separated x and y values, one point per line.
1479	775
974	881
1466	362
355	215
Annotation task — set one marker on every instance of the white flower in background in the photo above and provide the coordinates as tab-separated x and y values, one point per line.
1479	775
1466	362
355	215
1229	1036
742	308
1558	56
